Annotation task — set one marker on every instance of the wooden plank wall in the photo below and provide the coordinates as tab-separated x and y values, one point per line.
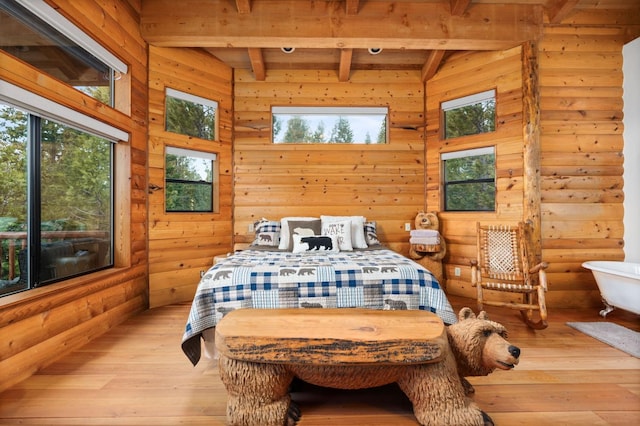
181	245
461	75
385	183
582	163
39	326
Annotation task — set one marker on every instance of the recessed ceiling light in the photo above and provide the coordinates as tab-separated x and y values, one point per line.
288	49
375	50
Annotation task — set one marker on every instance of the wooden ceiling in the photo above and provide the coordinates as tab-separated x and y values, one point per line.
412	34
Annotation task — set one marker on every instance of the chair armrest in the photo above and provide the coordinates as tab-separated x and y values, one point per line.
539	267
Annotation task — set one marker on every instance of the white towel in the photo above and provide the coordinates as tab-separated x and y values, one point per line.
425	240
428	233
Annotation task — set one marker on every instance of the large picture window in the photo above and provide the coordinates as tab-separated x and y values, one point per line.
469	115
39	35
56	215
354	125
469	180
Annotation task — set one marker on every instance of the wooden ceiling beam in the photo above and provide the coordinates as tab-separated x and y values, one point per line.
557	10
305	24
257	63
345	64
458	7
432	64
351	7
244	6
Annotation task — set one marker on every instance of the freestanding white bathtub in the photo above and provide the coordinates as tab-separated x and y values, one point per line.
619	284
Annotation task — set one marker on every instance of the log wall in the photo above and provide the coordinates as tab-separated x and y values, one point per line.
182	245
41	325
462	75
581	155
384	182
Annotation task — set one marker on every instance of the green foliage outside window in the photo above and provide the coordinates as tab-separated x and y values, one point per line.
310	125
189	183
194	116
469	183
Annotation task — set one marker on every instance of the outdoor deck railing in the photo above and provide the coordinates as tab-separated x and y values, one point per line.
19	240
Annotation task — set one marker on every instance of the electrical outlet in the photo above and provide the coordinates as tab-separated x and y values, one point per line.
407	226
456	272
250	227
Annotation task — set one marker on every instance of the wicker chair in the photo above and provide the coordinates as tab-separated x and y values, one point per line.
504	265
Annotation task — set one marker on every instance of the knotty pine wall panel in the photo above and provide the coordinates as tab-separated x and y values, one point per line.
462	75
582	162
385	183
41	325
182	245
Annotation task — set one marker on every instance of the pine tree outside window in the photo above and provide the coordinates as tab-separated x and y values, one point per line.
190	115
469	180
330	125
469	115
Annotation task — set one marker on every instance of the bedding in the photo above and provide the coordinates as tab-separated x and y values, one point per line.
375	278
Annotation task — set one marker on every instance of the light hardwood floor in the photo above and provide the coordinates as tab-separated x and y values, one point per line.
136	374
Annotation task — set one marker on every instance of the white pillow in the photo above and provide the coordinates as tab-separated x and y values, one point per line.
302	243
284	230
357	228
341	230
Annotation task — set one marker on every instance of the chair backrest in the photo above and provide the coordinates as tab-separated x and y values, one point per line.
502	252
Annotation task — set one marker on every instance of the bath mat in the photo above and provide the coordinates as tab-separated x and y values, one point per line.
612	334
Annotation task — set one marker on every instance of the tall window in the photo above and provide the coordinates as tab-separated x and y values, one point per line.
469	115
469	180
355	125
37	34
56	215
190	115
189	180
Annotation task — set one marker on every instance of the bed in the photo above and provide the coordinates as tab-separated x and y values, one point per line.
374	277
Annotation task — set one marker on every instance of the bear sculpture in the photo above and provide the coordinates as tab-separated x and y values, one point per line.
432	260
475	346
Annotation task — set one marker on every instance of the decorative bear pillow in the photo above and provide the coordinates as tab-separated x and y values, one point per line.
267	233
286	242
305	243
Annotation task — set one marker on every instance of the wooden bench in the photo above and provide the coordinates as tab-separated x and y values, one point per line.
331	336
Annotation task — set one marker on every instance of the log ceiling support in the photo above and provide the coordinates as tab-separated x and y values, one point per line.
244	6
431	65
351	7
302	24
345	64
257	63
560	9
458	7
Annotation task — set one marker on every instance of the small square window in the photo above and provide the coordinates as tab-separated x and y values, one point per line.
189	180
469	180
190	115
469	115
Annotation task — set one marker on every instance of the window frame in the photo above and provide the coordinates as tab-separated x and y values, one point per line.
194	99
338	112
473	152
214	184
465	101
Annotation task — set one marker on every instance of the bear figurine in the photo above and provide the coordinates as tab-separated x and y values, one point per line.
475	346
430	260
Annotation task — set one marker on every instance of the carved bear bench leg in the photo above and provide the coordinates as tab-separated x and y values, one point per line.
261	350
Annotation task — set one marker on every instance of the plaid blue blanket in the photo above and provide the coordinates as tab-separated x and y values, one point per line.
376	279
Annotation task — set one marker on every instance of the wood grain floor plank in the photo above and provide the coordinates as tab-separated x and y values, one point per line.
136	375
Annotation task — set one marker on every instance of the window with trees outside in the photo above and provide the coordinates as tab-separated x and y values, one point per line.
469	115
334	125
189	182
45	39
190	115
56	215
469	180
